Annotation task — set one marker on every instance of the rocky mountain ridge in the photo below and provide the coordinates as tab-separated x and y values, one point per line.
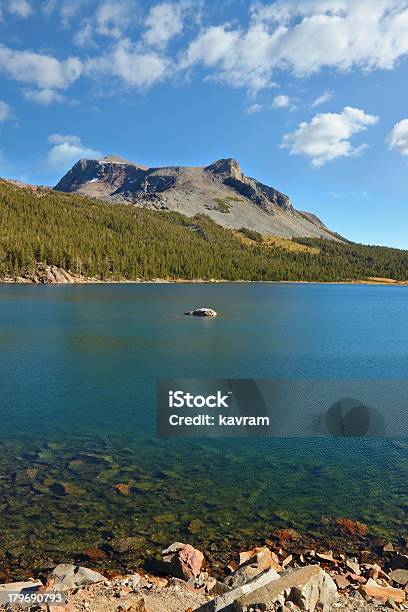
219	190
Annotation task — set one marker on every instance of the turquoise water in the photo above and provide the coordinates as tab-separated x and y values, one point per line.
78	375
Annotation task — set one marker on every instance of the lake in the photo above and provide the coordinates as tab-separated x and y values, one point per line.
79	366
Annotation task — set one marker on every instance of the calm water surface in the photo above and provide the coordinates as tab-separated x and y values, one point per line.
78	371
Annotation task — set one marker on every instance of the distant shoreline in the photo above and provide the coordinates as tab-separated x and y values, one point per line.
180	281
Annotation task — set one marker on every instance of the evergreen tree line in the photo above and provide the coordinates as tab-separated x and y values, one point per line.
115	242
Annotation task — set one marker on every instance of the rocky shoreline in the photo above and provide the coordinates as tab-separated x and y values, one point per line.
280	575
45	274
53	275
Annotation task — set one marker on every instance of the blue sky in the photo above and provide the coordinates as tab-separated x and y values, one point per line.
309	96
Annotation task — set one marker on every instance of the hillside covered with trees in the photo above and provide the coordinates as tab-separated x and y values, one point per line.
115	242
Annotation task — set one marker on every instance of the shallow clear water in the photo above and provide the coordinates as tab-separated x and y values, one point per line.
78	375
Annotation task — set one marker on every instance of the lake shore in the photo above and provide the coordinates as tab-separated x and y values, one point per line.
62	277
284	573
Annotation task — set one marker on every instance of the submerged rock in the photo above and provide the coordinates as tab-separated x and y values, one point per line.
95	554
94	458
202	312
26	477
123	488
130	544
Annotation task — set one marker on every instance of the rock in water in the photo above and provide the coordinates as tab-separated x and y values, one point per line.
202	312
131	544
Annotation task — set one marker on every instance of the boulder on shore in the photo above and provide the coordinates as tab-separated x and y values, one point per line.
202	312
182	561
309	588
67	576
256	561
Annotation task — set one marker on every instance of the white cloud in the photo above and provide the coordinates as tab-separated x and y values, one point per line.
163	22
398	137
85	35
67	10
113	17
49	6
130	63
239	59
361	195
327	136
43	96
20	7
325	97
254	108
110	18
281	101
213	46
299	37
339	33
303	37
5	111
44	71
67	150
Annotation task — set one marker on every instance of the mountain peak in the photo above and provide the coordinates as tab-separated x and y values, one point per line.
115	159
229	167
219	190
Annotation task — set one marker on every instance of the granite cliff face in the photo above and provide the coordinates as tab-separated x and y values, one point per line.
219	190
